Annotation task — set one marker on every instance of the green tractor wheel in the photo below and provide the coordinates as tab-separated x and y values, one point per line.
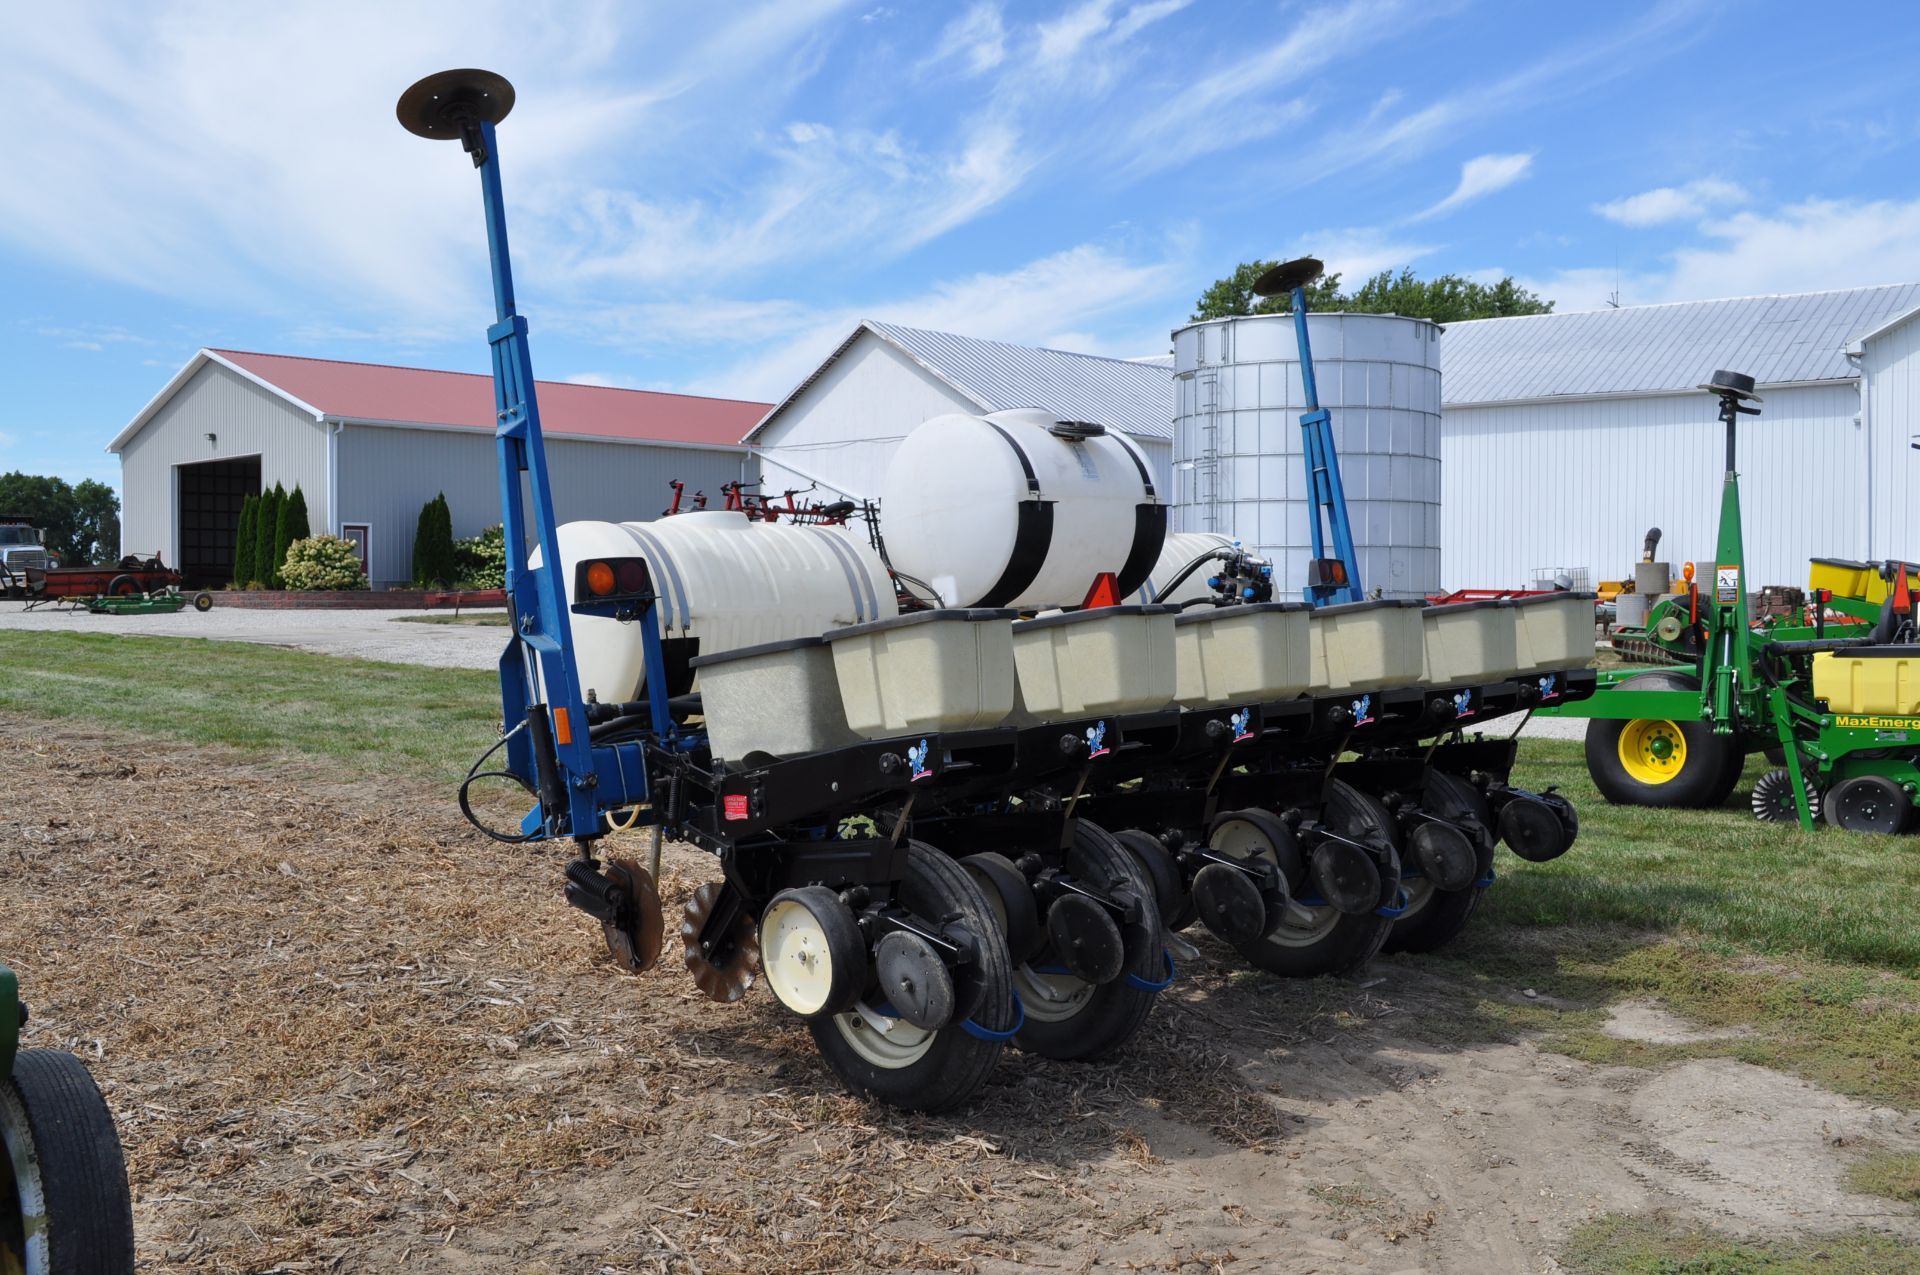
1658	762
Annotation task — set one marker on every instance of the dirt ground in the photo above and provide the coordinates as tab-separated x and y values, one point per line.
341	1032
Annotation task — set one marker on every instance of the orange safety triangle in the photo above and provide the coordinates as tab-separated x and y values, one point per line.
1105	591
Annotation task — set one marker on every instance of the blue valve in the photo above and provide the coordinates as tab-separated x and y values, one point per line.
1213	582
1247	592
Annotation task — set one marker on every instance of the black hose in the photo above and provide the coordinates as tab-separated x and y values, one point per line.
474	772
1210	555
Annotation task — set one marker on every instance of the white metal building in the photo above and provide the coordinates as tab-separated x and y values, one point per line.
369	444
839	426
1566	436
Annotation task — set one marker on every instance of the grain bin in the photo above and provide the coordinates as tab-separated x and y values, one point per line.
1237	448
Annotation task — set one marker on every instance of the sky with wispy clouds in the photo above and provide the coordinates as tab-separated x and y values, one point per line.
707	197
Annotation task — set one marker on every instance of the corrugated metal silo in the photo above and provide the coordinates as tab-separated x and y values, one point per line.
1236	440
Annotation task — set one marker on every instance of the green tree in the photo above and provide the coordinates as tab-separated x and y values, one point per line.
266	522
243	541
1447	298
433	557
81	522
290	524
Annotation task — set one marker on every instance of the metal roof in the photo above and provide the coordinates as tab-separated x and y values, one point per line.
1131	396
382	394
1650	349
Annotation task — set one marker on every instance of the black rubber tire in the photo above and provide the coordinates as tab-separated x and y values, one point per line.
1445	913
1705	784
1114	1013
1011	894
1869	803
1351	941
1160	870
122	587
203	602
956	1063
52	1100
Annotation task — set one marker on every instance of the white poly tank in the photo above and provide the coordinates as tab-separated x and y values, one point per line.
1179	549
1019	509
723	582
1238	398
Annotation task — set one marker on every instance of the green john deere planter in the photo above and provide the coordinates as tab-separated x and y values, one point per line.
1835	698
64	1204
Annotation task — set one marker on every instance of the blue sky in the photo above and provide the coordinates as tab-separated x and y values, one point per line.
707	197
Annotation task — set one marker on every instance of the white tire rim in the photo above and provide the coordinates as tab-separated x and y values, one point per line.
887	1043
1419	892
27	1191
795	958
1242	840
1049	997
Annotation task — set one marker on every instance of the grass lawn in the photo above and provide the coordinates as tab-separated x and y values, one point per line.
1806	940
485	619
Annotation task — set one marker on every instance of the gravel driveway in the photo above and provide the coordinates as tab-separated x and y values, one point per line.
370	635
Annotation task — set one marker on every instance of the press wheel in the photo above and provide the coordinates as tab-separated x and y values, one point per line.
886	1058
1068	1017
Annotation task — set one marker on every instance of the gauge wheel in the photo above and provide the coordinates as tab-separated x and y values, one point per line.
1325	940
64	1204
1869	803
880	1056
1435	917
1658	762
1069	1018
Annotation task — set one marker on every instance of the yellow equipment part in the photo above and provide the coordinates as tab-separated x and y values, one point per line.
1861	580
1882	681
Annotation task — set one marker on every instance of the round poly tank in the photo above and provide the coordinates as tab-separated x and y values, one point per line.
722	582
1237	467
1176	553
1018	509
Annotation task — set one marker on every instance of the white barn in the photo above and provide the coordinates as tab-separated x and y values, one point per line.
839	426
1566	436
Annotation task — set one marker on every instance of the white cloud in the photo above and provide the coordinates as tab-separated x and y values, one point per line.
1812	246
1673	203
1219	110
1357	253
605	380
977	38
1479	177
1041	302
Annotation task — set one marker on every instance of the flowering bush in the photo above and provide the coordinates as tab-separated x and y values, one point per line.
482	559
323	562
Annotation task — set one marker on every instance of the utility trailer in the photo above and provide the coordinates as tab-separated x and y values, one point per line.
913	812
131	585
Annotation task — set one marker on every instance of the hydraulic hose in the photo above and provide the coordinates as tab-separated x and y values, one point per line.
1211	555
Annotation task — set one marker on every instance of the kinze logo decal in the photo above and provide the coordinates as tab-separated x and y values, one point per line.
1854	722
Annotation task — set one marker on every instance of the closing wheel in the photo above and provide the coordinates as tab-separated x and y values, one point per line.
1773	798
812	952
64	1204
1435	917
1533	830
1315	939
1869	803
1660	762
1069	1017
889	1059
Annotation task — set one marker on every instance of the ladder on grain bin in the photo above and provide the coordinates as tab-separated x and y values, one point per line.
1336	578
547	727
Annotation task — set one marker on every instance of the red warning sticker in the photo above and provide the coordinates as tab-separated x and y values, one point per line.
735	804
